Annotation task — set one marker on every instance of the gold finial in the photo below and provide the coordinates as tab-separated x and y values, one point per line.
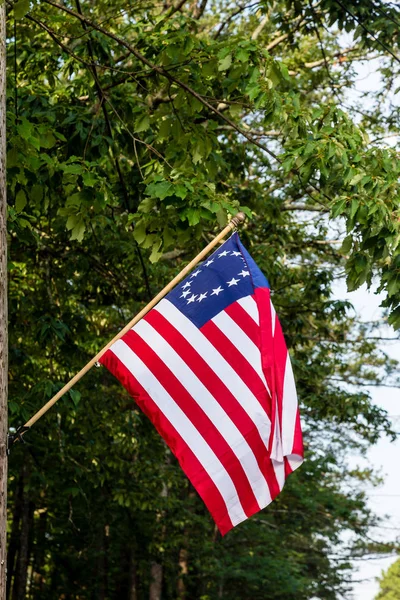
238	219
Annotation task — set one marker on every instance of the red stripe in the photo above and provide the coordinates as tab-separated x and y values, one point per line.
288	468
238	362
187	460
298	437
263	300
218	389
281	355
198	417
245	322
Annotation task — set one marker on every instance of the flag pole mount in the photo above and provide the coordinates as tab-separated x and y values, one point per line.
236	221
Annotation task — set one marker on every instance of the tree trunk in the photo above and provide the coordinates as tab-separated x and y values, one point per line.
183	568
132	595
102	563
19	587
3	306
156	581
14	536
39	563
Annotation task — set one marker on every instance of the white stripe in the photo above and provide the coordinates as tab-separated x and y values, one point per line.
289	408
210	406
220	366
279	468
295	460
249	304
184	427
242	342
276	446
273	317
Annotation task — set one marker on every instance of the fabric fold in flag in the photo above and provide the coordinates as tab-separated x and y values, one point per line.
209	366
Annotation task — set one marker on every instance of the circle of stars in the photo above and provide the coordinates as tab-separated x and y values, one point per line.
190	297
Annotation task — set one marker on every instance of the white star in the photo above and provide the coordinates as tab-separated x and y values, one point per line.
185	293
224	253
187	284
201	297
192	298
209	262
233	281
236	253
217	291
244	273
196	273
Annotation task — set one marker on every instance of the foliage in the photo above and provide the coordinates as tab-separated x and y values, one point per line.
390	583
134	132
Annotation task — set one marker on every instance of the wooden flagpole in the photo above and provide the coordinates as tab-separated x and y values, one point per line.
3	306
235	221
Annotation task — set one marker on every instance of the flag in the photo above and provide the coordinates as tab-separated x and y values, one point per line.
209	366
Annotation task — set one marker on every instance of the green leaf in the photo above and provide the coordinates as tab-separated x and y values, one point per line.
193	216
139	233
146	205
225	63
198	153
75	396
347	244
25	129
74	169
72	221
48	140
13	407
168	237
89	179
357	178
155	253
393	286
78	231
36	193
60	136
354	207
181	191
160	189
253	91
20	201
142	123
338	208
12	157
242	55
21	8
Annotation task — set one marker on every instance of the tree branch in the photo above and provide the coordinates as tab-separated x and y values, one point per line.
199	9
102	99
260	27
304	207
234	14
166	74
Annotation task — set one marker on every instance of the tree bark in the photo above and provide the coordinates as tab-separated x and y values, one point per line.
156	581
20	581
14	536
39	562
183	568
102	563
132	576
3	306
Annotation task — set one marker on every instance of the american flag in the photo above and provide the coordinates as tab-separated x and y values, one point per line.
209	366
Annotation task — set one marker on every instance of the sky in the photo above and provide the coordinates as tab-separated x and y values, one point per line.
384	457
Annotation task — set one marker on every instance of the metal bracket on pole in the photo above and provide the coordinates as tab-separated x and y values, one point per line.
13	437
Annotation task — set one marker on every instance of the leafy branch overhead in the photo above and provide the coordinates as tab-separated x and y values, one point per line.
185	77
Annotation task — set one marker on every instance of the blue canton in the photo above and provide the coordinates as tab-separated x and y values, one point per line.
226	276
